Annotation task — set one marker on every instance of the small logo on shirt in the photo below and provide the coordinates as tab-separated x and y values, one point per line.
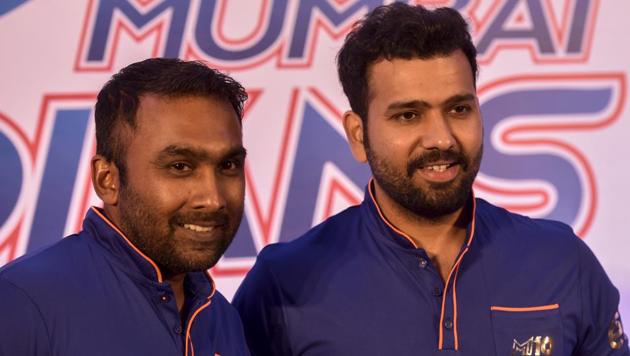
616	338
534	346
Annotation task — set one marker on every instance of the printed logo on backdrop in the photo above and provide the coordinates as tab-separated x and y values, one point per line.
48	189
7	6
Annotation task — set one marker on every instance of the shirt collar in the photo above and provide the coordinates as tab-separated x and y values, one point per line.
377	220
108	235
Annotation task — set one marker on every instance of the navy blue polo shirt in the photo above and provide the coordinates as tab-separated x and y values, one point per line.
95	293
356	285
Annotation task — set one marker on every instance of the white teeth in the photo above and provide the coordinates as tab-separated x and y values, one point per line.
438	168
196	228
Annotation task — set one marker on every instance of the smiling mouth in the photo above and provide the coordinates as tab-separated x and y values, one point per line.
439	168
197	228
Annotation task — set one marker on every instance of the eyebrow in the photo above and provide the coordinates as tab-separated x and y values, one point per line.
421	104
197	154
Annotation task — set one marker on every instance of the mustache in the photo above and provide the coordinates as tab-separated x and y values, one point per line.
215	218
435	156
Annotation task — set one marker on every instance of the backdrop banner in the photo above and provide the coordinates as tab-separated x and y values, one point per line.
552	87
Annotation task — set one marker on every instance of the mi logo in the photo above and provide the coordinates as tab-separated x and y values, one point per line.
534	346
616	337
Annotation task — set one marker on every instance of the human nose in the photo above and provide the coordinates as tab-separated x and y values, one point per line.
438	133
208	193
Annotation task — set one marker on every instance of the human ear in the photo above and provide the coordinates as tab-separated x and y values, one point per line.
105	179
353	125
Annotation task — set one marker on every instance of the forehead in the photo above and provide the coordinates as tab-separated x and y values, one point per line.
206	122
430	80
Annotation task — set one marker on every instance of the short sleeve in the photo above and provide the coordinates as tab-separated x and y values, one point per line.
601	329
259	302
22	329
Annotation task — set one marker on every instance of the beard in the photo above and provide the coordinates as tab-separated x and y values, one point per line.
434	200
155	235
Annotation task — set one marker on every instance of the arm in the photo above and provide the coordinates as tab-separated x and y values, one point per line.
260	303
22	328
601	332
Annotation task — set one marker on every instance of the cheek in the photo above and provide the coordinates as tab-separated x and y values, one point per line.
234	192
470	136
389	142
165	195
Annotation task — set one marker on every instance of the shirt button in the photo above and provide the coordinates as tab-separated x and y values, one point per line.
165	298
423	262
437	291
448	323
177	329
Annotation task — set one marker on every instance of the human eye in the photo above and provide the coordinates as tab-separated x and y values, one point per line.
406	116
180	168
232	165
460	110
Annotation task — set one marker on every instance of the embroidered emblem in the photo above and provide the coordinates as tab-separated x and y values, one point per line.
534	346
616	337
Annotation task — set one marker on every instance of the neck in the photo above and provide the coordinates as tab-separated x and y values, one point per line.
176	281
177	284
441	238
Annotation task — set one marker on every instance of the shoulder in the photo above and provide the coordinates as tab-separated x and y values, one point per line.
23	328
547	246
46	267
499	226
283	268
513	245
323	240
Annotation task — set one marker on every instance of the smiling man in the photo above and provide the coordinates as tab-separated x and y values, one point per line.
134	281
421	267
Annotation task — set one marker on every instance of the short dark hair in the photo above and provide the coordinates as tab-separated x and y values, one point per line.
118	101
399	30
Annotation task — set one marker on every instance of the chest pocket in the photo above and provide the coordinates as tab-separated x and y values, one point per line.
534	331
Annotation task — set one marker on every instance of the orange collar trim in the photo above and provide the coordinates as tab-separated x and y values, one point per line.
406	236
111	224
188	338
214	286
454	270
380	213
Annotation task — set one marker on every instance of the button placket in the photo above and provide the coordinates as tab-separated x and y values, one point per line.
437	291
448	321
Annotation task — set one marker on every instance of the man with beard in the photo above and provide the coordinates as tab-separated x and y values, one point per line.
169	169
421	267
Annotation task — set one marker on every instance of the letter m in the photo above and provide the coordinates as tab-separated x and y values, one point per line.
105	20
525	348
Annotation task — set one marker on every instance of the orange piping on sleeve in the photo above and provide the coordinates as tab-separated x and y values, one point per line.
111	224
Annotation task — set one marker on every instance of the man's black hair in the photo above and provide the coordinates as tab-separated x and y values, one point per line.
402	31
118	101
